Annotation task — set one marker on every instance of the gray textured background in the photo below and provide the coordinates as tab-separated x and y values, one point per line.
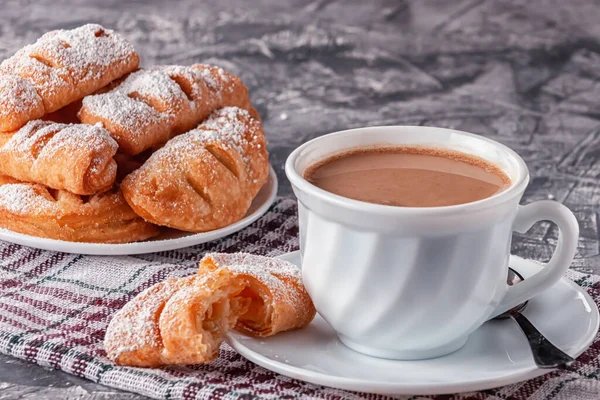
519	71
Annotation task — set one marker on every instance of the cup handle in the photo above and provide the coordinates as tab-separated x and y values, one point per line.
561	259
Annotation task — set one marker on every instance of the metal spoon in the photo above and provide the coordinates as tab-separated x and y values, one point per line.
545	354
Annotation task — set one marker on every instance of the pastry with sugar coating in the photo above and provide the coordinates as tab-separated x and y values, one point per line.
133	335
78	158
152	105
178	321
278	299
61	67
36	210
204	179
184	320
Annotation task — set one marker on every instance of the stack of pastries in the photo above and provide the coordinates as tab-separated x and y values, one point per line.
95	149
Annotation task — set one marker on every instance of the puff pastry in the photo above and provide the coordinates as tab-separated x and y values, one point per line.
204	179
34	209
77	157
278	300
61	67
178	321
151	106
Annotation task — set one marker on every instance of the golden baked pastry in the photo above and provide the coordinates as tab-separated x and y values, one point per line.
61	67
184	320
278	300
204	179
36	210
133	334
195	319
151	106
76	157
178	321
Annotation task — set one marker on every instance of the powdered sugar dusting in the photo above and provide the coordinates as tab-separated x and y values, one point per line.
89	46
227	122
158	99
231	126
37	153
135	326
255	264
214	77
270	271
155	84
17	95
144	101
46	79
227	127
79	53
23	199
192	144
198	76
90	138
60	67
134	336
136	116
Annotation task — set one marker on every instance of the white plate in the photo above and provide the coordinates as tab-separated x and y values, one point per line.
169	240
496	354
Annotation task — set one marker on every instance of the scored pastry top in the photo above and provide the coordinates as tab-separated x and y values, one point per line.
67	55
74	157
59	68
164	89
233	129
47	136
152	105
203	179
144	104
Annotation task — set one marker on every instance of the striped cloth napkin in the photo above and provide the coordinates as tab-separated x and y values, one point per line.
55	307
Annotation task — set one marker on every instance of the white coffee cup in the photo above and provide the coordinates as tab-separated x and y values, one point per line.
413	283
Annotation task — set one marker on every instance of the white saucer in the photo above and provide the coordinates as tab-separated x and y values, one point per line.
497	354
168	240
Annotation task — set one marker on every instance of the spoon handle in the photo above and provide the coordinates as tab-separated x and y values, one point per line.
545	354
